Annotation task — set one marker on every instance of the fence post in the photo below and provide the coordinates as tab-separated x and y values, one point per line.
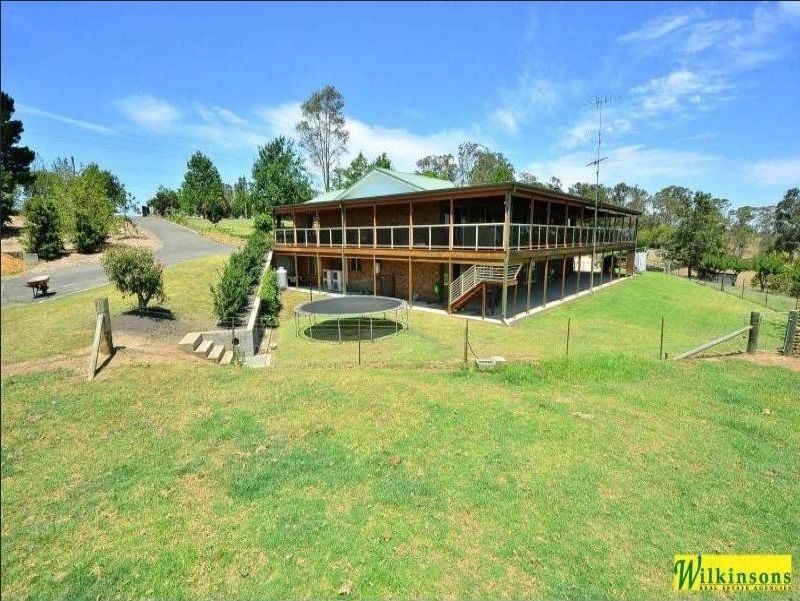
791	329
661	346
742	288
569	322
752	337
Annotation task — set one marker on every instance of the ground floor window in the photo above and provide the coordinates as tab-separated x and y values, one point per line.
355	265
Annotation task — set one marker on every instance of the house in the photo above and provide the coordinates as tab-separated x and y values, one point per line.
499	251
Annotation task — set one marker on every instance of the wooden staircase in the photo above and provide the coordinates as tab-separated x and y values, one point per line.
475	279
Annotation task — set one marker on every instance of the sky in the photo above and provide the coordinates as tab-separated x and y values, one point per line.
700	95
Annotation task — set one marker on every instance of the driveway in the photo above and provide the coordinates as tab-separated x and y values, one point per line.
177	244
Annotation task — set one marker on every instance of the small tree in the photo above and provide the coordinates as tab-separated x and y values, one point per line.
15	160
766	265
165	201
90	232
135	271
215	208
322	131
263	222
43	228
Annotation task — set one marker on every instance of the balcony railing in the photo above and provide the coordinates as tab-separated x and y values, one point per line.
465	236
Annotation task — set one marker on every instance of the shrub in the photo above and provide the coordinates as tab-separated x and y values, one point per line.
135	271
43	228
270	297
238	277
230	293
263	223
90	232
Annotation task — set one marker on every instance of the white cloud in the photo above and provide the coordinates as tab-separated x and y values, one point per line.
404	147
586	129
79	123
632	164
656	29
150	112
529	98
775	172
681	89
217	113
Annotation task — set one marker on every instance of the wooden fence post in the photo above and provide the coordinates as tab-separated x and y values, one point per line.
102	335
791	330
752	338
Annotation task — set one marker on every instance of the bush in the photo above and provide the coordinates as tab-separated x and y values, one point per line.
230	293
263	223
90	232
135	271
238	277
270	298
43	228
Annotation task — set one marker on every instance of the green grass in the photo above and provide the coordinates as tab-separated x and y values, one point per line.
227	230
564	478
60	325
625	318
574	478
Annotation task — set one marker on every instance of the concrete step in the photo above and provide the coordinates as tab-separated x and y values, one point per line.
190	342
216	353
204	348
227	357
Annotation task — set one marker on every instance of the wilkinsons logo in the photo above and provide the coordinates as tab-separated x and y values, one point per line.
732	573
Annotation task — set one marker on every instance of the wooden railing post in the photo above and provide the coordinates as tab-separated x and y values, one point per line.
791	332
752	338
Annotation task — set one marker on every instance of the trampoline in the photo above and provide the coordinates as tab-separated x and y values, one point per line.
351	318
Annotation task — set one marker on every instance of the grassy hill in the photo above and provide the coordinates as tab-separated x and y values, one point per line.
557	477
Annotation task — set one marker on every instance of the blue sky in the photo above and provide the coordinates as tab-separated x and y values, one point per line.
703	95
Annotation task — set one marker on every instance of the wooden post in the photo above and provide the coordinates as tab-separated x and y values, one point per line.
102	335
101	308
410	282
791	330
374	226
546	274
569	323
661	346
506	233
344	242
563	275
374	276
530	277
449	278
450	235
483	301
319	273
547	227
410	225
752	338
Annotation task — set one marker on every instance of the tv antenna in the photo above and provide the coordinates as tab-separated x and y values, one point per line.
598	103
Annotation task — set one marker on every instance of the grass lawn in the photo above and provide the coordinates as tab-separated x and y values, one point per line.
232	231
625	318
564	478
60	325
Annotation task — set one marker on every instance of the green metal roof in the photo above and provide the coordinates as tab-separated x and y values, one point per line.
381	182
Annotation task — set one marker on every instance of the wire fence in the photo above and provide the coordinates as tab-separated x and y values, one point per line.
769	299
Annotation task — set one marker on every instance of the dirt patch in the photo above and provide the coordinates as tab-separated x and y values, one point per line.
11	265
128	235
789	362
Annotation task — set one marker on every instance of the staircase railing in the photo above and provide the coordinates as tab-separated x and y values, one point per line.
478	274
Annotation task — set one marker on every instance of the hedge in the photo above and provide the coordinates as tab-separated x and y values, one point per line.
270	298
238	278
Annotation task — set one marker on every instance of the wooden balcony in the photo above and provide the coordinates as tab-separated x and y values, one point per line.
474	237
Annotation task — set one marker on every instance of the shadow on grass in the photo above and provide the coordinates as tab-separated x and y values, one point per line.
155	313
349	329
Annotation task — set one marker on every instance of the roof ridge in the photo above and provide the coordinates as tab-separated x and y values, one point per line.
394	174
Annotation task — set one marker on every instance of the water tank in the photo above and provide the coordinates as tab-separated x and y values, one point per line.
283	278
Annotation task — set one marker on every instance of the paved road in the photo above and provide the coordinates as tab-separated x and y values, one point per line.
177	244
